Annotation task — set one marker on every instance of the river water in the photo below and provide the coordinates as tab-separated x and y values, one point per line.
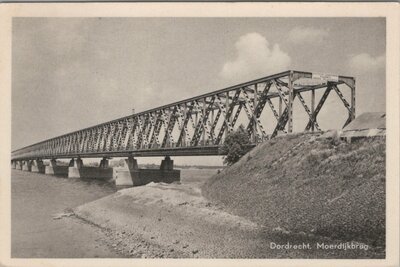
38	229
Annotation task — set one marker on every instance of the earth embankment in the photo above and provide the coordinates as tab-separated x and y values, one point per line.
308	184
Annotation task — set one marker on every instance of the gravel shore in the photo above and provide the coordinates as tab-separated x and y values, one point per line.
176	221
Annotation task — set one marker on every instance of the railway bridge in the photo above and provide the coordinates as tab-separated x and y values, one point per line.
191	127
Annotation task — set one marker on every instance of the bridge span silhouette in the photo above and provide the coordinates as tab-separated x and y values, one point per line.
198	125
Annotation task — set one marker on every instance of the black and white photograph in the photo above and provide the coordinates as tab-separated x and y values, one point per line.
201	137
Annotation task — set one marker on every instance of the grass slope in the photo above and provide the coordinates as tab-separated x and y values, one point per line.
302	183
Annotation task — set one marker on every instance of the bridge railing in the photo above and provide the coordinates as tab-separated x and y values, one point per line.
197	126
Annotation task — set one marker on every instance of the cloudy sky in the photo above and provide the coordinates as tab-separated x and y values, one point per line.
71	73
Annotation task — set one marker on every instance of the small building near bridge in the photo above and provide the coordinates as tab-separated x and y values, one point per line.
368	124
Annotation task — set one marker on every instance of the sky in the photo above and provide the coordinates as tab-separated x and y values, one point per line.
72	73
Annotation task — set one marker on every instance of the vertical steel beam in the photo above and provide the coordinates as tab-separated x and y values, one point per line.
184	134
205	118
350	82
196	116
312	107
180	118
290	106
254	114
211	124
319	106
227	119
353	100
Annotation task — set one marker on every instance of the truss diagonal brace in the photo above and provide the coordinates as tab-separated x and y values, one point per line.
259	108
226	114
168	127
184	125
202	124
281	122
346	104
274	111
307	110
280	92
318	108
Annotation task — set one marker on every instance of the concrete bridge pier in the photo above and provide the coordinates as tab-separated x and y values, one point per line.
78	170
124	177
26	165
38	166
74	168
130	175
104	163
13	164
54	169
167	164
18	165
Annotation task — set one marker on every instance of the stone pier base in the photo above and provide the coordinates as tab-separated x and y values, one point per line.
90	172
131	175
26	166
74	166
39	169
77	170
126	178
56	170
37	166
18	165
167	164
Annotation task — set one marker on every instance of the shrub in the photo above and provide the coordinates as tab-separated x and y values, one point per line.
236	145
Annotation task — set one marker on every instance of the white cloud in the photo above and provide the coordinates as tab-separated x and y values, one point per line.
307	35
364	63
255	58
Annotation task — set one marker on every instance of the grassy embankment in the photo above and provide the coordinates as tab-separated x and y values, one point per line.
302	183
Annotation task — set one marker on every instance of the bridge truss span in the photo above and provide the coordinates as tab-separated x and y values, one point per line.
198	126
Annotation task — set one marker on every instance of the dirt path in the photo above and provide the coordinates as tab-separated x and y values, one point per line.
37	201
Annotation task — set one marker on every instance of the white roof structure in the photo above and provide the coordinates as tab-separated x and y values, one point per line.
368	124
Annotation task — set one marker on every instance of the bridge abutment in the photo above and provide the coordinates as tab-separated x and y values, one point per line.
54	169
130	175
37	166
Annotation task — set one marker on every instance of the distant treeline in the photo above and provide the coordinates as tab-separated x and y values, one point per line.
120	163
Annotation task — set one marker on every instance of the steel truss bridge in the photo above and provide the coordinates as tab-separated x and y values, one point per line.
198	125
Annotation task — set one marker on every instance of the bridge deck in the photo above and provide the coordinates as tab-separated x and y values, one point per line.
179	151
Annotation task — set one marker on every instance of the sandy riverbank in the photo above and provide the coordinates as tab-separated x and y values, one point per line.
176	221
